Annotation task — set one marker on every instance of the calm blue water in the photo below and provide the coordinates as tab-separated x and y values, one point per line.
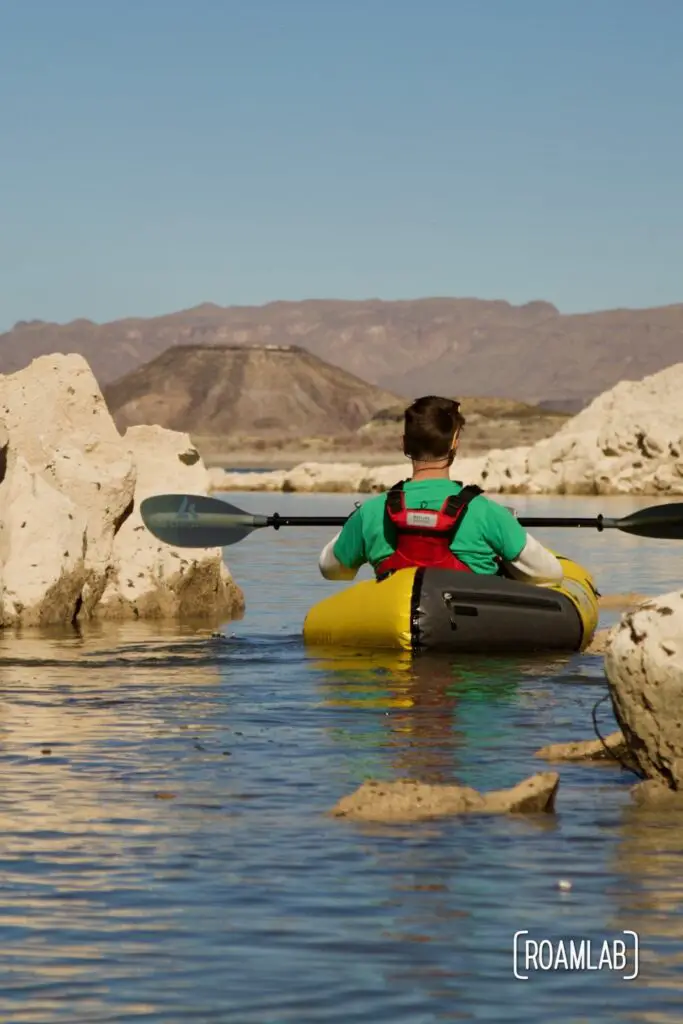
166	855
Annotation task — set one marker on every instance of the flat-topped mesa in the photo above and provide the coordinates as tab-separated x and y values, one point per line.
225	347
267	389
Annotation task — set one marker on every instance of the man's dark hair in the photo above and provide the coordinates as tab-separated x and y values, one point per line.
430	424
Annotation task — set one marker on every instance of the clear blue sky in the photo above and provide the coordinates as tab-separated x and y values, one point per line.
155	154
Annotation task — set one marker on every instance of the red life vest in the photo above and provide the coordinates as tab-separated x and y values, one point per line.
424	537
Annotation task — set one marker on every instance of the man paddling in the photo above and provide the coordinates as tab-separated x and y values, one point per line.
431	520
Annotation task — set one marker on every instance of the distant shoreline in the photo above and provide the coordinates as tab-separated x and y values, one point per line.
249	459
380	447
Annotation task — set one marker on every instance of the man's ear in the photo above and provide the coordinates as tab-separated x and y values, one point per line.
453	451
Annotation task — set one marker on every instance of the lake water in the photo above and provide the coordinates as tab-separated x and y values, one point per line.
166	856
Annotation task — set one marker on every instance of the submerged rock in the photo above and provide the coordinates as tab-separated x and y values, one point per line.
622	602
69	490
654	793
613	748
408	800
599	643
644	667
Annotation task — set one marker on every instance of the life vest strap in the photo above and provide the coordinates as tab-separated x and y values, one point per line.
434	548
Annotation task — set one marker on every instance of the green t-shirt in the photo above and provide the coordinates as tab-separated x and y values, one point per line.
487	531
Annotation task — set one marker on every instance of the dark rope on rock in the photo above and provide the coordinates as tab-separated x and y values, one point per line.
615	757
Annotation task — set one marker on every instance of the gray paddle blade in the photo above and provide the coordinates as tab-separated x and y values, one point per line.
664	522
196	521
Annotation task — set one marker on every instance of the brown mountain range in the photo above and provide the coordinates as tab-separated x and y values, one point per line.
271	391
452	346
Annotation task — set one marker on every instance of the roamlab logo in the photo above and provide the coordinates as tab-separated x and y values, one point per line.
187	510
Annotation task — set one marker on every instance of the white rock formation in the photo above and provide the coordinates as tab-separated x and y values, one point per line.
341	477
644	667
629	440
247	481
155	580
67	490
332	476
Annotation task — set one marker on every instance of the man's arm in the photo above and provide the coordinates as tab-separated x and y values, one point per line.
343	556
523	556
536	563
330	566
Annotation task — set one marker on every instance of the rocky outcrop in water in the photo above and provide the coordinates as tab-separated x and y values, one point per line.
644	667
72	545
629	440
610	748
326	477
653	793
407	800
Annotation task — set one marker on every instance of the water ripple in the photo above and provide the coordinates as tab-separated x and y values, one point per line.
166	856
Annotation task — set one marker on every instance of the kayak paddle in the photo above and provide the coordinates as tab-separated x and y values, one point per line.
196	521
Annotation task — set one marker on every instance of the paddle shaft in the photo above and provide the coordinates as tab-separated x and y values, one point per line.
595	522
199	521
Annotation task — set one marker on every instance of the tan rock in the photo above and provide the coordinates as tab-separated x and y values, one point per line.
644	667
155	580
599	643
621	601
237	481
378	479
63	445
613	748
67	495
215	480
627	435
503	470
332	477
407	800
654	793
43	537
337	477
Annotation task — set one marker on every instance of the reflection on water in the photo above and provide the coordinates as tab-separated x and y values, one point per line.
166	855
433	707
648	885
75	700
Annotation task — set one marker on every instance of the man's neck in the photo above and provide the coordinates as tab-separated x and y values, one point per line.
437	470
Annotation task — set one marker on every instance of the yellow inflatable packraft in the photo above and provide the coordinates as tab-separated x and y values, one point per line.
447	610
